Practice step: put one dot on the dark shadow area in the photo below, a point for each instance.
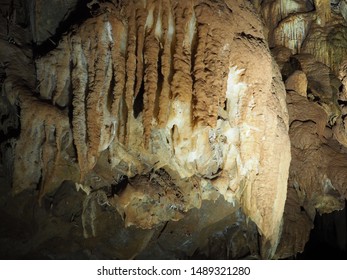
(328, 238)
(75, 18)
(138, 103)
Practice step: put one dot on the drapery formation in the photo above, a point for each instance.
(182, 100)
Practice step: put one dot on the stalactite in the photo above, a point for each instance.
(150, 78)
(275, 11)
(292, 31)
(140, 21)
(166, 40)
(95, 98)
(79, 87)
(168, 87)
(53, 75)
(118, 73)
(51, 129)
(182, 80)
(124, 65)
(328, 45)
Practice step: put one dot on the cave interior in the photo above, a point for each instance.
(168, 129)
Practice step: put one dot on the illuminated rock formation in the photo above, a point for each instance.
(169, 129)
(163, 94)
(181, 103)
(304, 28)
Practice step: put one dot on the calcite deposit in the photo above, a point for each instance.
(184, 104)
(308, 45)
(178, 127)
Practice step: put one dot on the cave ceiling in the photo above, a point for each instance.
(170, 129)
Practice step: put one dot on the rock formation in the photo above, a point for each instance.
(308, 46)
(152, 115)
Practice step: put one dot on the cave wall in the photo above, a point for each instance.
(307, 41)
(149, 116)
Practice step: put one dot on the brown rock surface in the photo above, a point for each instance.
(187, 115)
(163, 128)
(306, 28)
(309, 38)
(316, 180)
(297, 82)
